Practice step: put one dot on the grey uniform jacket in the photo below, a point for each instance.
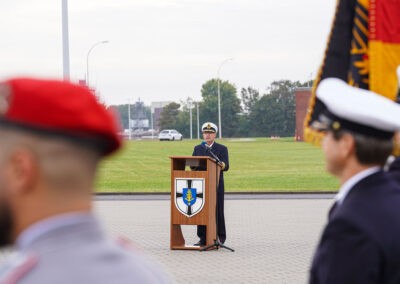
(78, 253)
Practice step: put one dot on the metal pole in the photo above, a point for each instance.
(152, 126)
(198, 122)
(65, 39)
(219, 110)
(87, 59)
(190, 118)
(219, 97)
(129, 118)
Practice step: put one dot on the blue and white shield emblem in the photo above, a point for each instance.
(189, 195)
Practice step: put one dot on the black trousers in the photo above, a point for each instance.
(201, 230)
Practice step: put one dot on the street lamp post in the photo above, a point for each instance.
(87, 59)
(190, 117)
(219, 97)
(129, 118)
(152, 123)
(198, 120)
(65, 39)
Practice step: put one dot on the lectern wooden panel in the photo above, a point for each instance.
(194, 181)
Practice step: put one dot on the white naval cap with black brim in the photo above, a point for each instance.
(356, 110)
(209, 127)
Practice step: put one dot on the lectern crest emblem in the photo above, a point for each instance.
(189, 195)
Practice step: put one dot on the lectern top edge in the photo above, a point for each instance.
(191, 157)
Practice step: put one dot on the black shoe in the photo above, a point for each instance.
(200, 243)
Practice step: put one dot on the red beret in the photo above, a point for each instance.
(59, 107)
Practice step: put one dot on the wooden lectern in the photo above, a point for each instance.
(193, 197)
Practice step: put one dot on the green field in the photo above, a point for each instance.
(256, 165)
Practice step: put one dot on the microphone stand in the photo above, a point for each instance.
(217, 244)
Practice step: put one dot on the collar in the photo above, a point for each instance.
(212, 144)
(38, 229)
(349, 184)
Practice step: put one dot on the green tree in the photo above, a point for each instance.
(308, 83)
(169, 116)
(183, 120)
(250, 97)
(230, 106)
(274, 114)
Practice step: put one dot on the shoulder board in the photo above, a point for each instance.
(126, 243)
(16, 267)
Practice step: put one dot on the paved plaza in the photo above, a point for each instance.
(274, 237)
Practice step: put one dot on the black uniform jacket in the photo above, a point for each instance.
(361, 242)
(394, 170)
(221, 152)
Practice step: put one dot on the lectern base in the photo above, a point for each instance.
(216, 245)
(184, 247)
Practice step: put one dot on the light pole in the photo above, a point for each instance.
(129, 118)
(152, 122)
(198, 121)
(219, 97)
(190, 117)
(87, 59)
(65, 39)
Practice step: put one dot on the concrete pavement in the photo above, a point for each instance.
(274, 238)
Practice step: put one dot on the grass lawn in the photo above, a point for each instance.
(256, 165)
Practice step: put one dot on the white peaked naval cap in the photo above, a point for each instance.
(357, 110)
(209, 127)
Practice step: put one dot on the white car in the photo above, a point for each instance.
(169, 134)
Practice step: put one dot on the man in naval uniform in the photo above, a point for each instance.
(52, 136)
(208, 148)
(360, 243)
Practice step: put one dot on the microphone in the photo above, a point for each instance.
(205, 145)
(208, 150)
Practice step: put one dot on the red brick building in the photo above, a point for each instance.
(302, 96)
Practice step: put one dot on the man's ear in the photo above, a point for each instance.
(22, 170)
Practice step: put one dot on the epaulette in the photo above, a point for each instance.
(126, 244)
(18, 266)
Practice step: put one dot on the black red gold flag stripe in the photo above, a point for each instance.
(363, 49)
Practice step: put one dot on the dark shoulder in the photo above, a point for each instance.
(376, 186)
(395, 165)
(220, 146)
(198, 147)
(376, 196)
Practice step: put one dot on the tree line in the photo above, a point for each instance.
(248, 114)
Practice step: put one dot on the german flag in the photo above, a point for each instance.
(363, 49)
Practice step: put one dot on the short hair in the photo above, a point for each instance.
(64, 164)
(369, 150)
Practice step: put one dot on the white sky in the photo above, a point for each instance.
(162, 50)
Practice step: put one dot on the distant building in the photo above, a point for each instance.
(156, 109)
(139, 121)
(302, 96)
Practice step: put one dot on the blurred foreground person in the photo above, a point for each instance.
(52, 136)
(361, 242)
(393, 163)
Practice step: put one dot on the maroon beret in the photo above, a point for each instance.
(59, 108)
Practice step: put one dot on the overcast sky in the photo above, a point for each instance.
(162, 50)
